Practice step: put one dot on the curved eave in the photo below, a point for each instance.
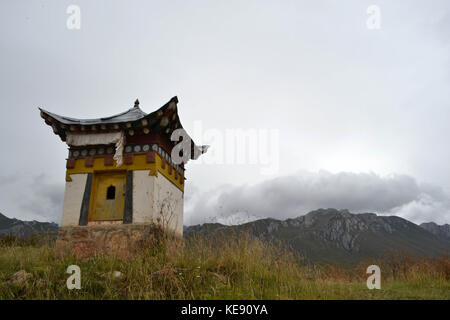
(164, 120)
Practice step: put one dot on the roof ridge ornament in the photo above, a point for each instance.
(136, 103)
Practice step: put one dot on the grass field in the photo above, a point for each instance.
(235, 268)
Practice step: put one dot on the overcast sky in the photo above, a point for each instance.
(361, 114)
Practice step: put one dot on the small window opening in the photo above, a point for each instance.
(111, 193)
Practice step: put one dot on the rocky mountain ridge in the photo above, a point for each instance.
(19, 228)
(338, 235)
(442, 231)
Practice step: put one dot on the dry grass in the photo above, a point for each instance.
(222, 268)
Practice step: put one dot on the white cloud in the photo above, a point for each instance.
(31, 197)
(291, 196)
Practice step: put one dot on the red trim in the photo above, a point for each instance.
(151, 157)
(109, 160)
(89, 161)
(70, 164)
(128, 158)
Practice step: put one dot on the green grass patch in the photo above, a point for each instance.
(225, 268)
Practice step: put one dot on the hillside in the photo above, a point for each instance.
(330, 235)
(21, 228)
(236, 266)
(324, 235)
(228, 268)
(442, 231)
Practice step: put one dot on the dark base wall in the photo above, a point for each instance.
(121, 240)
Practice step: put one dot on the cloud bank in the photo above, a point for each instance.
(31, 197)
(38, 198)
(294, 195)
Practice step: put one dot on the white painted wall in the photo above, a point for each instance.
(73, 198)
(143, 186)
(168, 204)
(157, 200)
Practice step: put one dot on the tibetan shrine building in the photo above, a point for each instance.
(121, 180)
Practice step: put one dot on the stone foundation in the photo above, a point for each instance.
(121, 240)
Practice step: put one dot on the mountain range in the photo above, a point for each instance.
(19, 228)
(331, 235)
(324, 235)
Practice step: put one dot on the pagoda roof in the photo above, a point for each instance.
(164, 120)
(132, 114)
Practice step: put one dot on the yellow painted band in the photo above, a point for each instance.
(139, 163)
